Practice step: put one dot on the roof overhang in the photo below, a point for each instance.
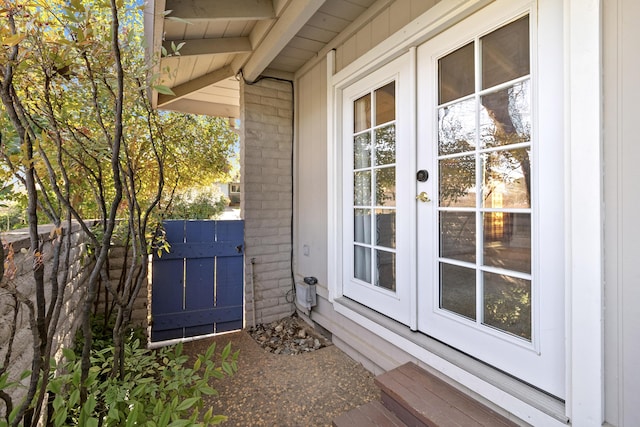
(202, 48)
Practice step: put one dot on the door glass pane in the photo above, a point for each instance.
(385, 186)
(456, 74)
(386, 103)
(362, 226)
(362, 263)
(386, 145)
(507, 179)
(458, 236)
(507, 240)
(457, 181)
(386, 270)
(505, 53)
(507, 304)
(457, 127)
(386, 228)
(362, 151)
(362, 188)
(505, 116)
(362, 113)
(374, 187)
(458, 290)
(477, 133)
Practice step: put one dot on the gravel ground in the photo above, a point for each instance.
(306, 389)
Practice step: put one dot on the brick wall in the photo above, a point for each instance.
(266, 188)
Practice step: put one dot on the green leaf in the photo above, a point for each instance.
(163, 421)
(187, 403)
(179, 423)
(69, 355)
(165, 90)
(226, 351)
(217, 419)
(209, 354)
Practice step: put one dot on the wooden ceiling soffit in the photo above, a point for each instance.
(206, 108)
(210, 46)
(209, 10)
(194, 85)
(294, 17)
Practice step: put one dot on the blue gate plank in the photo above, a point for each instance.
(166, 296)
(230, 275)
(200, 273)
(229, 290)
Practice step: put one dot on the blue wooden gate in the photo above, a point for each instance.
(197, 288)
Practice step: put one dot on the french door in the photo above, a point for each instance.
(453, 205)
(485, 284)
(377, 156)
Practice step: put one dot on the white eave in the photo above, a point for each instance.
(226, 40)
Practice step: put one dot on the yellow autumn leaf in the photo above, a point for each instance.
(13, 39)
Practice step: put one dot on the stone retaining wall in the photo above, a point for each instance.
(74, 296)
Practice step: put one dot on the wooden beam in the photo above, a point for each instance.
(208, 10)
(294, 17)
(153, 28)
(196, 84)
(210, 46)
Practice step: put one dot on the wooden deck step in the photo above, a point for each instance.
(419, 398)
(372, 414)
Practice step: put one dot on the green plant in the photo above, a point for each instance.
(158, 388)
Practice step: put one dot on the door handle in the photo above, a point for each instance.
(423, 197)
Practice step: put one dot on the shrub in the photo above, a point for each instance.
(198, 205)
(157, 388)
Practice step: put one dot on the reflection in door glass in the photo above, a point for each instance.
(507, 304)
(457, 176)
(362, 151)
(362, 226)
(505, 53)
(362, 263)
(484, 180)
(507, 179)
(507, 241)
(386, 103)
(385, 148)
(458, 235)
(458, 290)
(362, 114)
(456, 71)
(505, 116)
(457, 127)
(386, 270)
(385, 186)
(386, 228)
(362, 188)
